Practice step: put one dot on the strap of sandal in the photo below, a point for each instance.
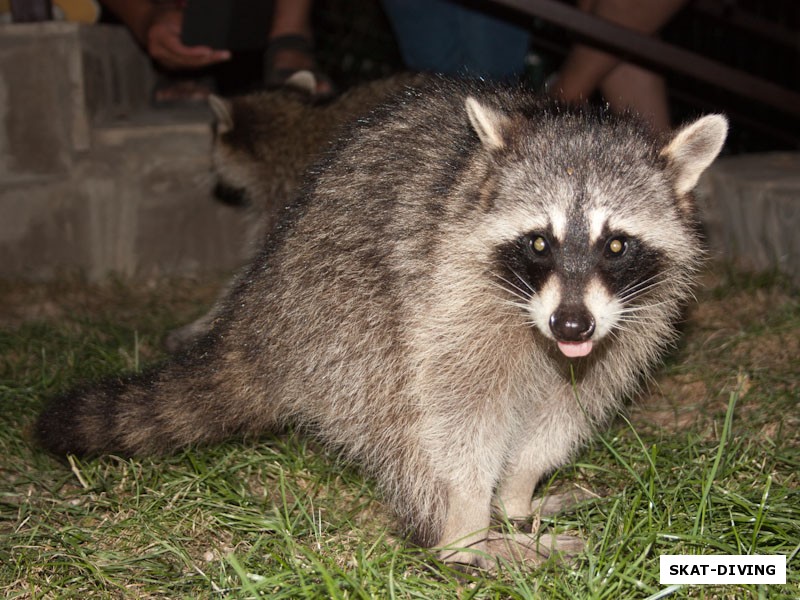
(291, 41)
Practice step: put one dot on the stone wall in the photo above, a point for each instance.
(91, 178)
(751, 210)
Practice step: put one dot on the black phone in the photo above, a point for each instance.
(226, 24)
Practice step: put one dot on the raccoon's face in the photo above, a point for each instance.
(232, 169)
(579, 285)
(248, 133)
(604, 237)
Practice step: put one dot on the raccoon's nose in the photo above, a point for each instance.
(572, 324)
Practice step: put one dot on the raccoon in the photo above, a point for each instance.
(265, 141)
(473, 281)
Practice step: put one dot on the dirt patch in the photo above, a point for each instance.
(25, 302)
(738, 339)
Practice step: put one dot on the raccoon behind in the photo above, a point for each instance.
(265, 141)
(473, 281)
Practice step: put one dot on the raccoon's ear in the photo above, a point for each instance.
(223, 112)
(488, 123)
(693, 148)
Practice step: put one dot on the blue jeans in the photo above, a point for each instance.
(446, 37)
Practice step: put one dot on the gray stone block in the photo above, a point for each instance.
(42, 230)
(751, 208)
(57, 81)
(137, 205)
(91, 179)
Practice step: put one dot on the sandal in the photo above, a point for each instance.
(299, 51)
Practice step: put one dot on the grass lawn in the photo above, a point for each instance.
(706, 461)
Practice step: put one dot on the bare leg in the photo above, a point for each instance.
(293, 17)
(630, 87)
(624, 85)
(584, 68)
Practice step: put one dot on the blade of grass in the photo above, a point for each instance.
(712, 474)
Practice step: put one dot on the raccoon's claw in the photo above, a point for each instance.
(564, 547)
(467, 562)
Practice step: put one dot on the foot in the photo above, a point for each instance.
(533, 549)
(553, 504)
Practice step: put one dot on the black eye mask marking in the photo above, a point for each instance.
(526, 263)
(627, 263)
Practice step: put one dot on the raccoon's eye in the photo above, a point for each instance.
(616, 246)
(539, 245)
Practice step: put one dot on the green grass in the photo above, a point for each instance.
(707, 462)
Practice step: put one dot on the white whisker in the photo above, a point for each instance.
(514, 289)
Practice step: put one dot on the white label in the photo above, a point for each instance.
(715, 569)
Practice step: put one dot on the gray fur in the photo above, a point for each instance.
(265, 141)
(384, 316)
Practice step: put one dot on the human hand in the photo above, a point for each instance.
(162, 40)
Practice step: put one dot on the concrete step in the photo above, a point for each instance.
(138, 204)
(751, 210)
(91, 178)
(57, 81)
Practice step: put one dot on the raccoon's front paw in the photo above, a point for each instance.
(467, 561)
(562, 546)
(533, 549)
(543, 507)
(555, 503)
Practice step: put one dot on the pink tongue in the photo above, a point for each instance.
(575, 349)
